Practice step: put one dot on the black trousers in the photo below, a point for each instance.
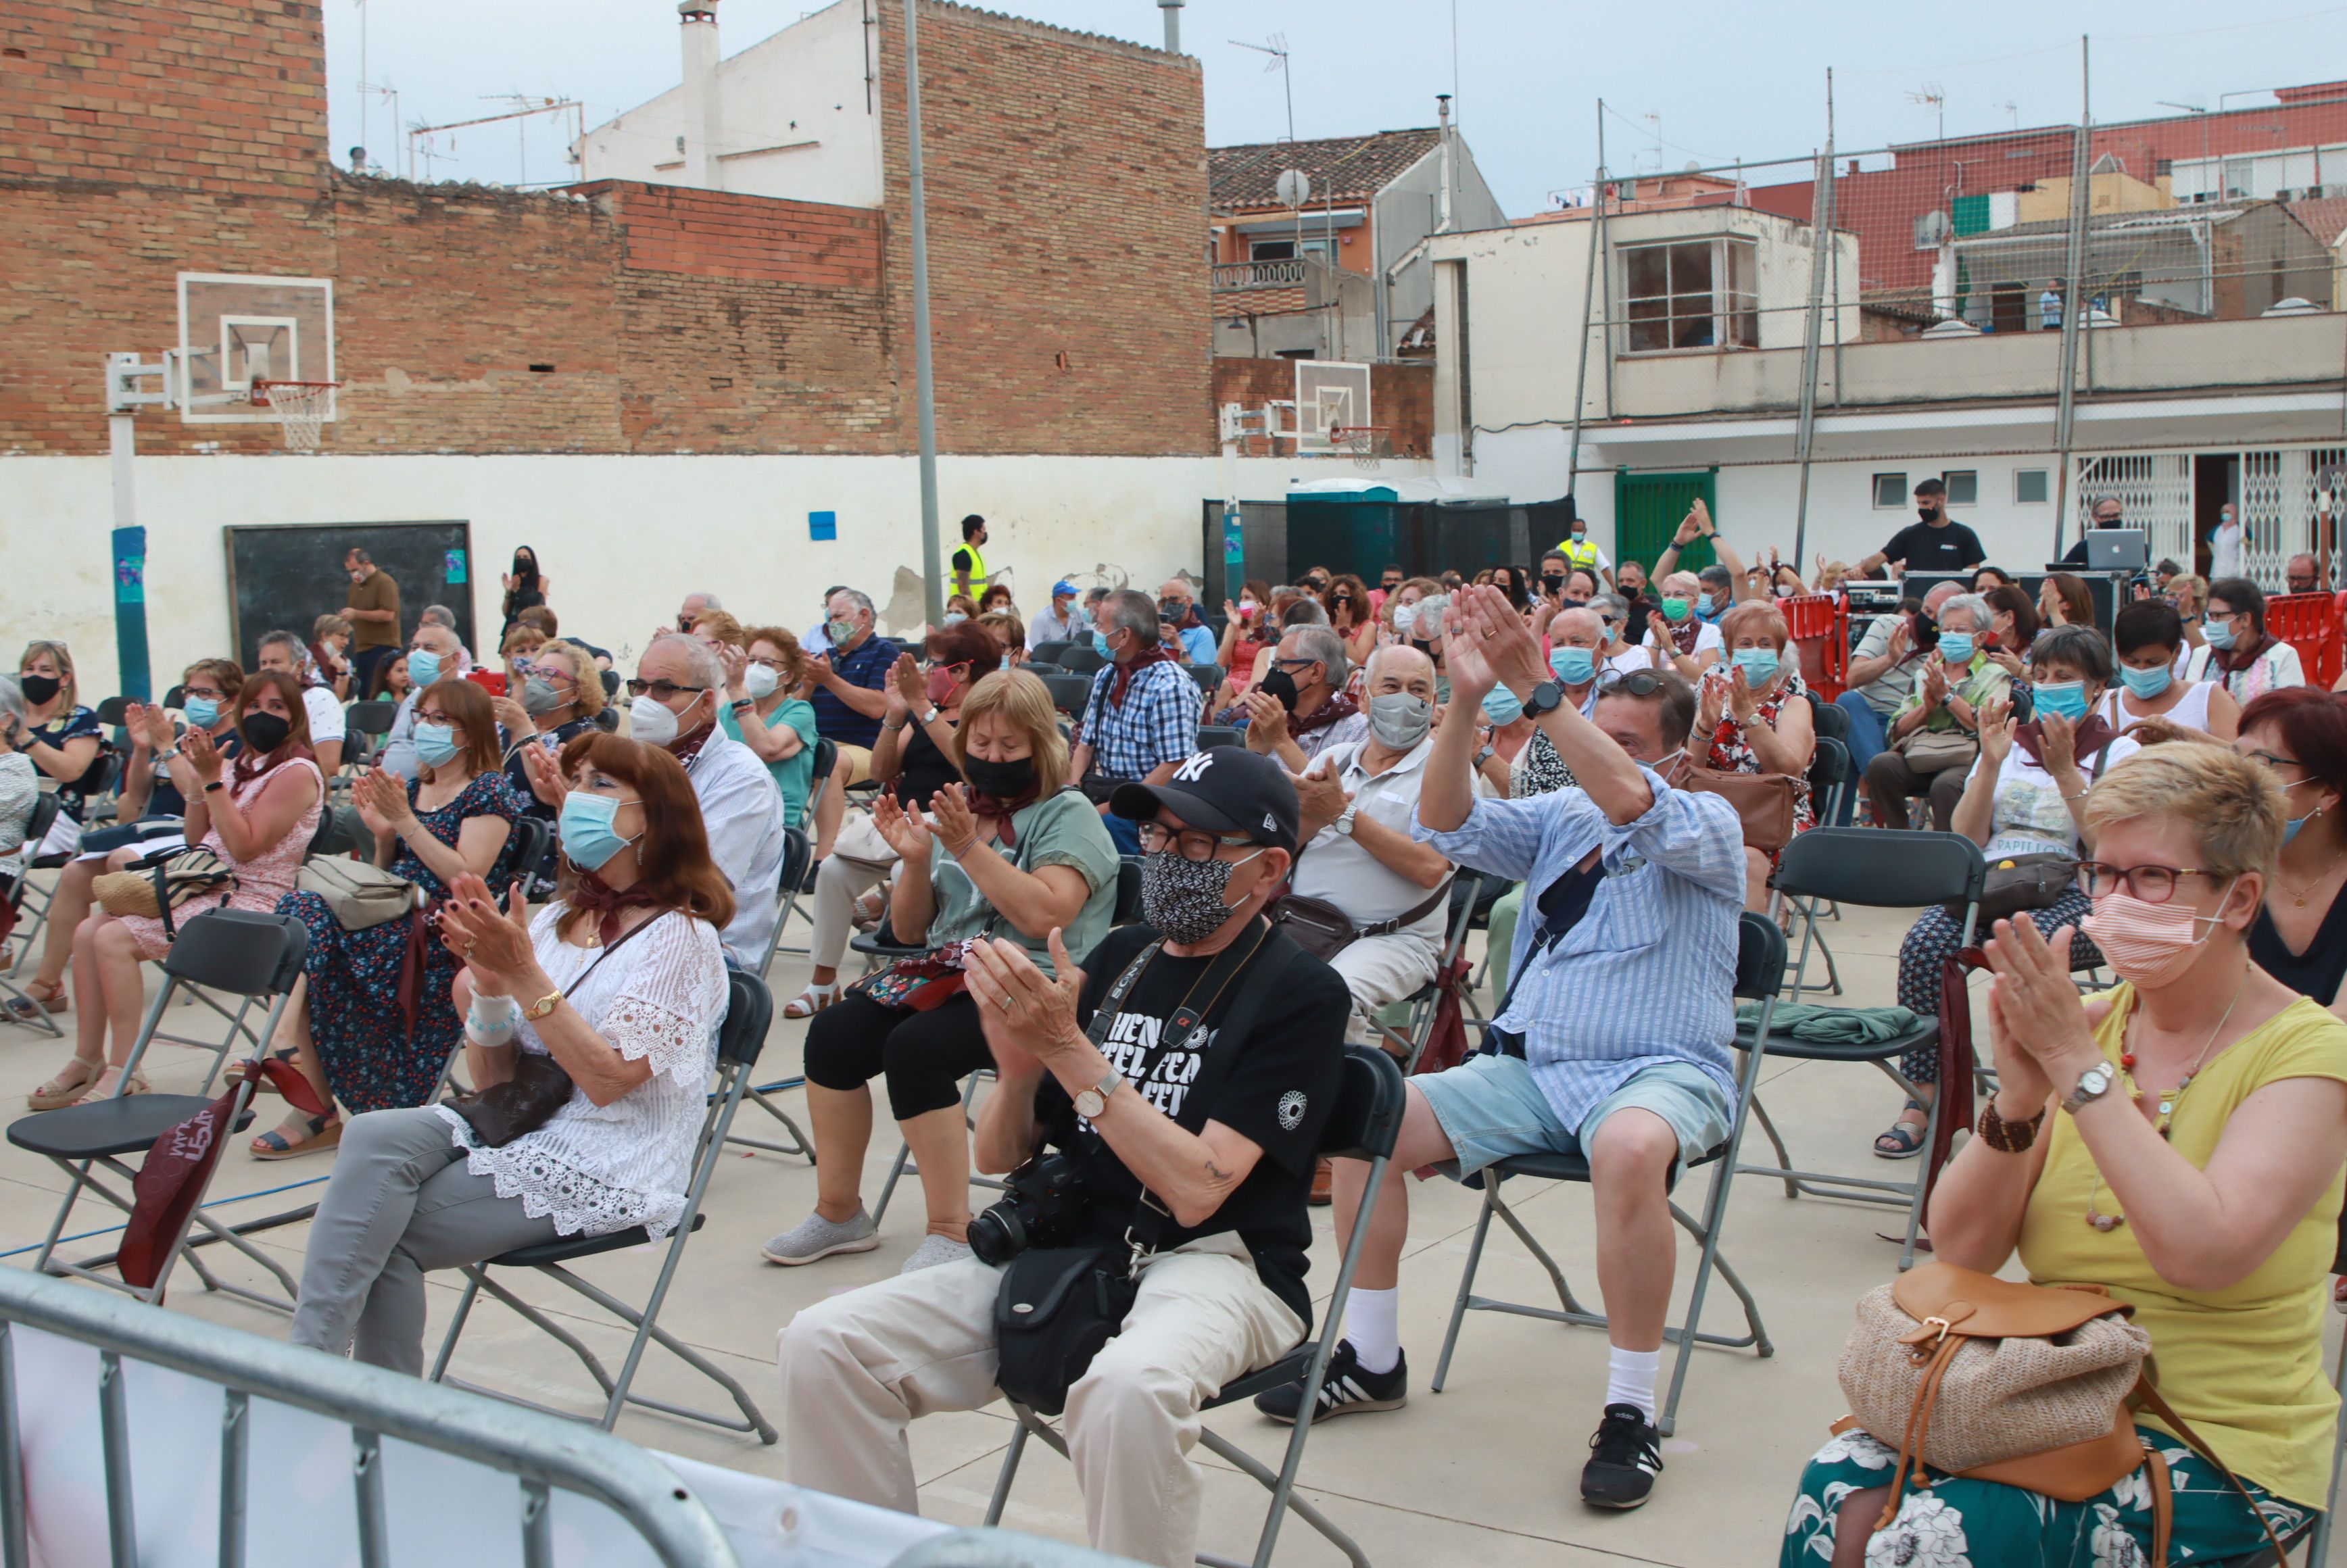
(925, 1055)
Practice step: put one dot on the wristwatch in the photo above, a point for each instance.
(2092, 1084)
(1546, 697)
(931, 716)
(1343, 823)
(1093, 1100)
(542, 1006)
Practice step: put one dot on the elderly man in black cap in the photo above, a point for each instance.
(1184, 1082)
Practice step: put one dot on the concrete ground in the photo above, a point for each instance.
(1484, 1473)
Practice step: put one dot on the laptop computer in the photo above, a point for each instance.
(2117, 549)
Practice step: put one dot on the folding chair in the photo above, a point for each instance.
(1363, 1126)
(32, 1014)
(1047, 652)
(1085, 661)
(1829, 776)
(236, 950)
(797, 856)
(532, 844)
(750, 1010)
(1209, 678)
(45, 807)
(1760, 972)
(1213, 735)
(1069, 692)
(1409, 1038)
(1875, 869)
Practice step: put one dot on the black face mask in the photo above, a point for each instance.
(40, 688)
(1003, 781)
(1280, 685)
(1927, 512)
(1553, 580)
(264, 732)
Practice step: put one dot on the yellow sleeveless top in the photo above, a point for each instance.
(2243, 1365)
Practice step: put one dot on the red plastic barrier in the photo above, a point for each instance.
(2310, 624)
(1820, 625)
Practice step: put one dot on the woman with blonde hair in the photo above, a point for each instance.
(554, 694)
(1016, 854)
(63, 738)
(761, 684)
(2176, 1142)
(329, 652)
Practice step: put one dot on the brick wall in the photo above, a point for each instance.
(1401, 396)
(1066, 181)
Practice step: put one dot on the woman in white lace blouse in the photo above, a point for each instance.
(623, 983)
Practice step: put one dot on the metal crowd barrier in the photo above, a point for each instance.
(542, 1452)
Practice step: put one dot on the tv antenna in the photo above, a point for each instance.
(1933, 97)
(1276, 48)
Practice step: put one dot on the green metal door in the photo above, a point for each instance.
(1647, 510)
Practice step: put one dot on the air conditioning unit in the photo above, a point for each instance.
(1932, 229)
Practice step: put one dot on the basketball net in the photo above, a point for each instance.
(300, 407)
(1360, 440)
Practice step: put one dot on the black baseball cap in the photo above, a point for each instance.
(1227, 789)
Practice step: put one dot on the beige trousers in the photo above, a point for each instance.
(838, 882)
(858, 1368)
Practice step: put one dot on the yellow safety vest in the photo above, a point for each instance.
(1578, 553)
(977, 570)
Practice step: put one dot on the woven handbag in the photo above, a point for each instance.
(165, 883)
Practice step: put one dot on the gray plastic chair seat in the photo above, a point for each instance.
(126, 1124)
(1781, 1044)
(566, 1248)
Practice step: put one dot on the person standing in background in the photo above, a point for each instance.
(2225, 542)
(2049, 307)
(965, 573)
(525, 589)
(372, 610)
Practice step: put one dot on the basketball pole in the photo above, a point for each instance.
(933, 595)
(127, 569)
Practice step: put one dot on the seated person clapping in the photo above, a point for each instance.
(621, 982)
(2176, 1142)
(1016, 854)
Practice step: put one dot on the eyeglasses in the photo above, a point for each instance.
(2152, 884)
(660, 690)
(1629, 682)
(1295, 663)
(776, 665)
(1195, 843)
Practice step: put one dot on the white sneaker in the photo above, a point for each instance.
(932, 1250)
(815, 1236)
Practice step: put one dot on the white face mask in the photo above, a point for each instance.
(649, 721)
(760, 681)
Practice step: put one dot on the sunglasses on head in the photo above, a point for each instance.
(1629, 682)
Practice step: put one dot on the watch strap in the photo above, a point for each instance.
(2080, 1095)
(1546, 697)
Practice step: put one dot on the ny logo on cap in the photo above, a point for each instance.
(1194, 767)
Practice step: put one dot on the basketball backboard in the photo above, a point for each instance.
(1329, 394)
(236, 328)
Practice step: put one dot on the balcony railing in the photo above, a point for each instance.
(1258, 275)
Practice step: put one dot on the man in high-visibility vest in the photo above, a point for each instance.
(1577, 549)
(965, 573)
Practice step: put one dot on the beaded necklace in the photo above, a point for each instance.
(2169, 1100)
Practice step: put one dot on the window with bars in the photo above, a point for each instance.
(1692, 293)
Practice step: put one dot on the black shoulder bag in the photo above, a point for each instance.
(1058, 1306)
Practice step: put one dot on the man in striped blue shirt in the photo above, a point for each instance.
(1614, 1042)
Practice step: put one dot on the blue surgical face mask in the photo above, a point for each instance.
(1573, 666)
(1758, 664)
(1703, 604)
(2067, 697)
(585, 829)
(423, 667)
(2220, 634)
(435, 745)
(1956, 647)
(2147, 684)
(1502, 706)
(204, 712)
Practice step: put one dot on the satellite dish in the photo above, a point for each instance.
(1293, 188)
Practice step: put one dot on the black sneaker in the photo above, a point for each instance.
(1344, 1391)
(1623, 1459)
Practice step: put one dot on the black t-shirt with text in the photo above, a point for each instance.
(1277, 1093)
(1950, 547)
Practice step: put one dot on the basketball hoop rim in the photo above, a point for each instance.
(263, 390)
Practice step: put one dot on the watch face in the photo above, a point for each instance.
(1090, 1104)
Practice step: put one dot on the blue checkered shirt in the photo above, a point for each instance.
(1156, 723)
(1648, 975)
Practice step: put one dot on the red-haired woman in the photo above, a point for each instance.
(257, 813)
(623, 982)
(2299, 937)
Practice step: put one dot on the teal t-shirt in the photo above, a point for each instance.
(795, 774)
(1062, 829)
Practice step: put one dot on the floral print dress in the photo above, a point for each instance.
(1731, 751)
(372, 1061)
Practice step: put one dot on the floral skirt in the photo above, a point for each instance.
(1960, 1523)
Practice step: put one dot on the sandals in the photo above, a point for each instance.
(869, 908)
(67, 1088)
(269, 1085)
(39, 996)
(812, 1000)
(1904, 1139)
(325, 1132)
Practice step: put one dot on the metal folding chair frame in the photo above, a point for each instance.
(1413, 1037)
(618, 1392)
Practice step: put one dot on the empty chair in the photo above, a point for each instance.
(1069, 692)
(1209, 678)
(1213, 735)
(1082, 661)
(1047, 652)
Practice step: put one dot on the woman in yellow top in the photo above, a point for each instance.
(2177, 1141)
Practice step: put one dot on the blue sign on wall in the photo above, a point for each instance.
(822, 525)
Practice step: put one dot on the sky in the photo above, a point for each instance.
(1713, 83)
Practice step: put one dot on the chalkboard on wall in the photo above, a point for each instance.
(283, 577)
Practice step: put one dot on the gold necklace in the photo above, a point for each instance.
(2298, 894)
(2169, 1101)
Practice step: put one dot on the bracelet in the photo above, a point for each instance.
(216, 783)
(742, 703)
(2007, 1137)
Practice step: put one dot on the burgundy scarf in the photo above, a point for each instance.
(601, 900)
(2091, 734)
(2233, 661)
(1335, 708)
(998, 811)
(1161, 654)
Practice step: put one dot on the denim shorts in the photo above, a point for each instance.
(1490, 1107)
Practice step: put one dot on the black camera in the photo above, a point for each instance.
(1047, 1200)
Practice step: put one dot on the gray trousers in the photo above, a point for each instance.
(401, 1203)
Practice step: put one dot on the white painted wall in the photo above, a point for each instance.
(623, 539)
(805, 85)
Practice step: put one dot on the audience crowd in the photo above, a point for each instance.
(1158, 871)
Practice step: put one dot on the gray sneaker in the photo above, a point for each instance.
(932, 1250)
(816, 1236)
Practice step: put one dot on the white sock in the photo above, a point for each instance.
(1373, 1323)
(1629, 1377)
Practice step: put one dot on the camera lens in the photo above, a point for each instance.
(996, 1236)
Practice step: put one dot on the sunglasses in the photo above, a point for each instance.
(1630, 682)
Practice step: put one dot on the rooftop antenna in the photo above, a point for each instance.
(1933, 97)
(1276, 48)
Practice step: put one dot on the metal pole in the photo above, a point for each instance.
(933, 593)
(1820, 237)
(1588, 298)
(1605, 277)
(127, 565)
(2073, 263)
(1172, 11)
